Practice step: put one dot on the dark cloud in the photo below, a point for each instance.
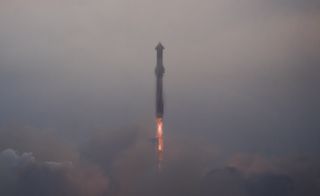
(22, 174)
(103, 147)
(230, 181)
(287, 177)
(45, 144)
(128, 167)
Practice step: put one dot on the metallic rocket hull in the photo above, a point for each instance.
(159, 98)
(159, 71)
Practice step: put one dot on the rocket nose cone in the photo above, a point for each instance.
(159, 46)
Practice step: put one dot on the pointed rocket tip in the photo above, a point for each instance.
(159, 46)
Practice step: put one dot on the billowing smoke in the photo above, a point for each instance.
(23, 174)
(122, 163)
(77, 97)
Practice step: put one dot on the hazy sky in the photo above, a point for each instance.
(242, 76)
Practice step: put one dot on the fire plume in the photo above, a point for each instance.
(159, 137)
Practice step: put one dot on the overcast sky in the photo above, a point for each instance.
(242, 76)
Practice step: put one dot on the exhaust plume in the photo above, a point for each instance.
(159, 71)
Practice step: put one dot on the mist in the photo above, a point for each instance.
(241, 97)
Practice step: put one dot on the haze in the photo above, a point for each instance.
(241, 90)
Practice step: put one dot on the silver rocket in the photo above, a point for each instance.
(159, 71)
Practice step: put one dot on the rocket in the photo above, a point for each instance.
(159, 71)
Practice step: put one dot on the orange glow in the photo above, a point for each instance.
(159, 136)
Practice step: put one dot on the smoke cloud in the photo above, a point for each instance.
(123, 163)
(241, 93)
(22, 174)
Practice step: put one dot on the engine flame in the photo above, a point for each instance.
(159, 137)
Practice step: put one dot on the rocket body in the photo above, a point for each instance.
(159, 71)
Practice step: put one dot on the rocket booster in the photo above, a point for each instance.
(159, 71)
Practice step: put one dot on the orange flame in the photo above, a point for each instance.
(160, 146)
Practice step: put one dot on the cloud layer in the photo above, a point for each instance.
(22, 174)
(241, 94)
(129, 168)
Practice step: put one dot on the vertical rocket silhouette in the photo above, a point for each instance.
(159, 71)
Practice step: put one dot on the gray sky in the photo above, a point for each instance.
(241, 75)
